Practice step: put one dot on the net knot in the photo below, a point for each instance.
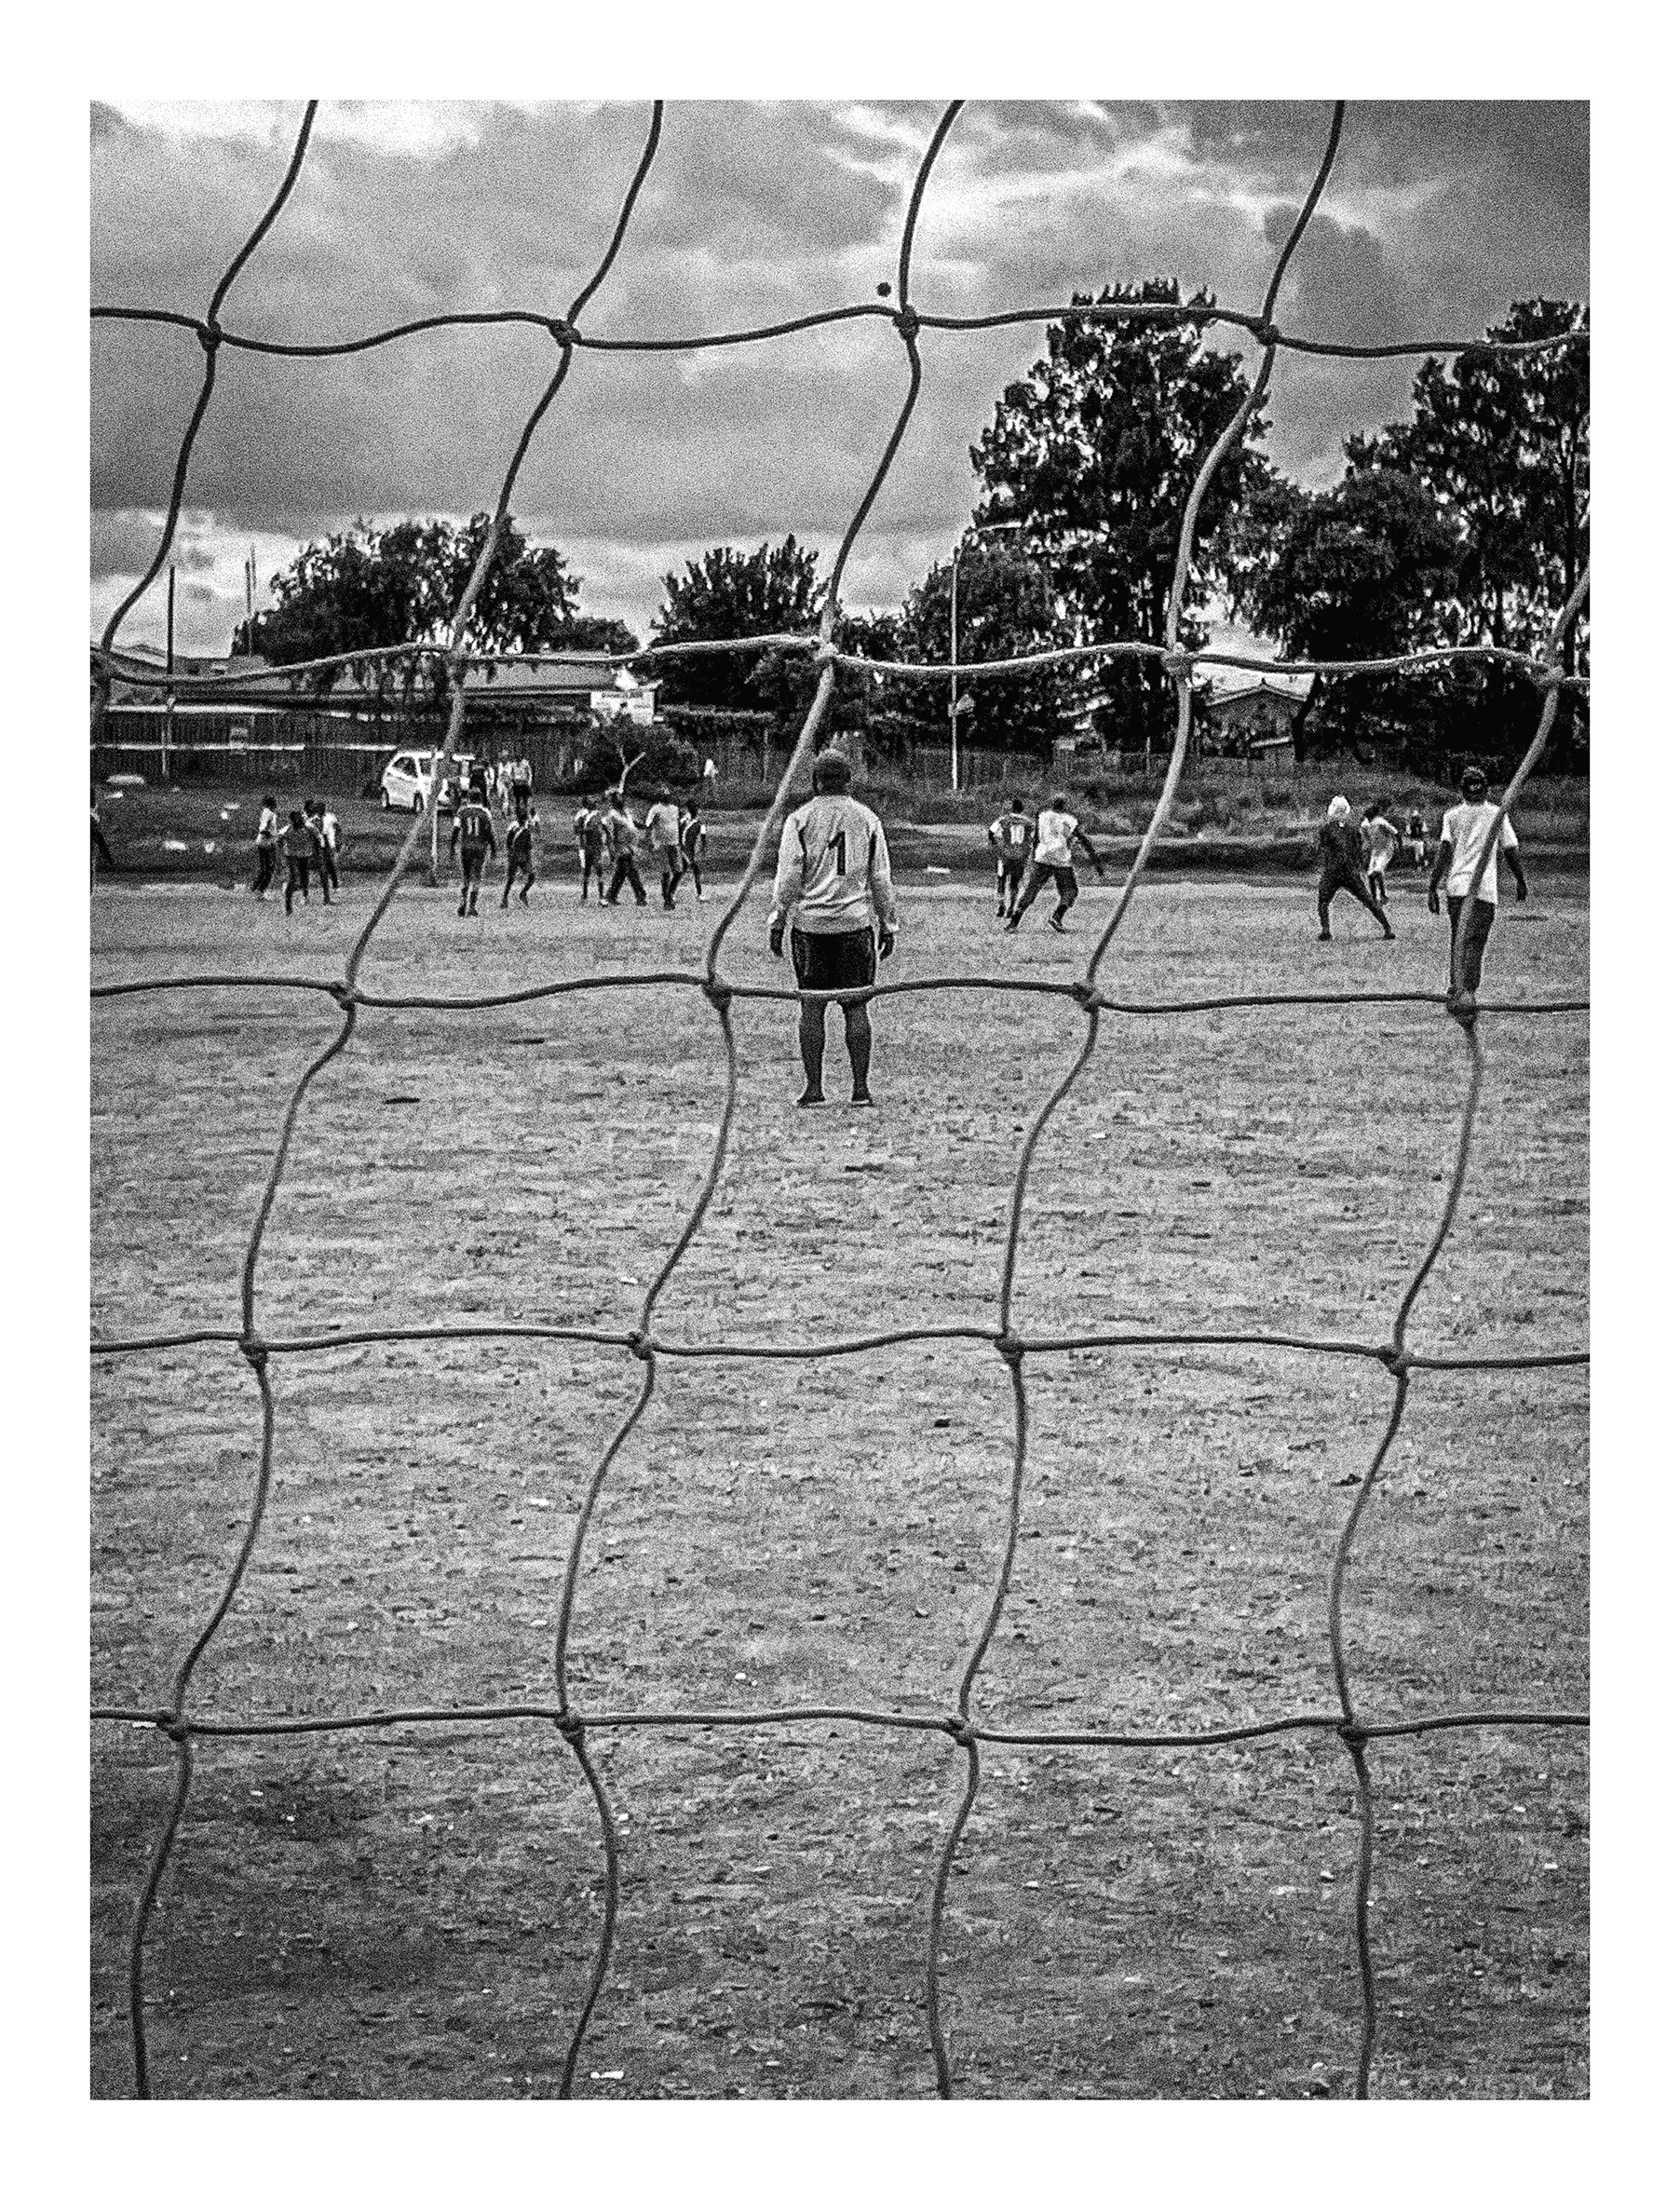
(171, 1724)
(1086, 994)
(1354, 1734)
(564, 334)
(1269, 334)
(1395, 1358)
(960, 1732)
(343, 993)
(716, 992)
(826, 653)
(210, 338)
(571, 1727)
(638, 1345)
(255, 1350)
(1177, 665)
(908, 322)
(1545, 677)
(1009, 1349)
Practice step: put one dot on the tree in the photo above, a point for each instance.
(1007, 605)
(1501, 441)
(1365, 569)
(368, 590)
(727, 595)
(1095, 453)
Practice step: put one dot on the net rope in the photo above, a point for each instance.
(644, 1343)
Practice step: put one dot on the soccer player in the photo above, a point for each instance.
(1342, 865)
(298, 842)
(1379, 841)
(621, 834)
(692, 836)
(99, 845)
(1464, 833)
(1011, 839)
(475, 829)
(665, 835)
(834, 881)
(1056, 835)
(314, 817)
(268, 843)
(1415, 838)
(521, 847)
(589, 829)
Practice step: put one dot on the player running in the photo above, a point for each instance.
(1011, 839)
(692, 840)
(522, 847)
(1379, 842)
(1464, 835)
(665, 835)
(1342, 860)
(622, 835)
(475, 830)
(834, 881)
(1416, 839)
(1057, 835)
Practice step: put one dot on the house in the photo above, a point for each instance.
(1260, 714)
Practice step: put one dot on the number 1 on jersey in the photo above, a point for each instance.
(837, 848)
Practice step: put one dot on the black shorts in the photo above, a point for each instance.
(830, 962)
(472, 864)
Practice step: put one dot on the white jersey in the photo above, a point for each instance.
(1465, 831)
(662, 828)
(1055, 847)
(833, 871)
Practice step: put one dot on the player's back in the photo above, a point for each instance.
(832, 847)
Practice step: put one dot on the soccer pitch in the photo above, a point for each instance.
(415, 1910)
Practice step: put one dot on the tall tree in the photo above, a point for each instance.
(1502, 442)
(1367, 569)
(1095, 453)
(372, 589)
(727, 595)
(1008, 604)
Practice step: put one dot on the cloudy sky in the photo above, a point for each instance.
(1438, 216)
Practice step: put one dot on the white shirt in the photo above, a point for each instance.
(269, 827)
(1055, 842)
(662, 824)
(1465, 830)
(832, 870)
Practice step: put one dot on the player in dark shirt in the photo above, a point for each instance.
(521, 847)
(1011, 839)
(298, 844)
(1342, 861)
(475, 830)
(692, 840)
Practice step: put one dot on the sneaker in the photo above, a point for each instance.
(862, 1100)
(1323, 935)
(810, 1100)
(1056, 925)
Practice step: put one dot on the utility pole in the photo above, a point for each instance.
(169, 670)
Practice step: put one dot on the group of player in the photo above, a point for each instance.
(608, 840)
(1354, 858)
(309, 841)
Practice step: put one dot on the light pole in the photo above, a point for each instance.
(968, 535)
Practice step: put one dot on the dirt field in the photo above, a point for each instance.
(415, 1912)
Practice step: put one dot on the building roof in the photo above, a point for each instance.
(1222, 699)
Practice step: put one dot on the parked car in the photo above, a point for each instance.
(404, 782)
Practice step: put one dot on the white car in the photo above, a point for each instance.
(407, 777)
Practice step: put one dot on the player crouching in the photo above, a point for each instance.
(834, 881)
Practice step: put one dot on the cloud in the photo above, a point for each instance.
(1438, 216)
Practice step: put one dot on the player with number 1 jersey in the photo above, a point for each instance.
(833, 880)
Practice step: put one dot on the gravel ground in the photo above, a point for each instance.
(414, 1911)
